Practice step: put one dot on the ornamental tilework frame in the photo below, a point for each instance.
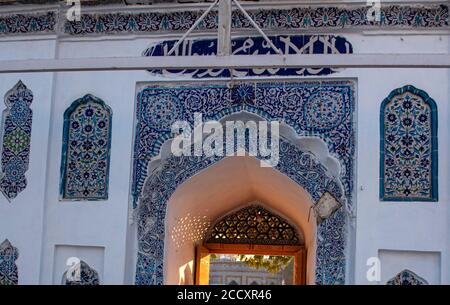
(8, 269)
(86, 150)
(16, 140)
(409, 146)
(312, 108)
(407, 277)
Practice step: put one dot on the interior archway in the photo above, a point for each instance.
(229, 184)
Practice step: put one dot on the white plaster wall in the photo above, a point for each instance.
(21, 221)
(64, 255)
(36, 220)
(425, 264)
(412, 226)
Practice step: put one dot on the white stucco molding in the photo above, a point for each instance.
(228, 62)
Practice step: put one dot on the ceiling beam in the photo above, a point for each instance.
(228, 62)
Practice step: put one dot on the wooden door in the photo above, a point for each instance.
(203, 253)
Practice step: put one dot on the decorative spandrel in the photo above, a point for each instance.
(86, 151)
(254, 225)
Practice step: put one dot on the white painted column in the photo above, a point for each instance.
(224, 28)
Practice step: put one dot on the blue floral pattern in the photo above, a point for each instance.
(28, 23)
(299, 17)
(8, 269)
(16, 140)
(87, 142)
(287, 101)
(409, 146)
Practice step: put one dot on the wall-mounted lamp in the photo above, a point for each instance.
(326, 206)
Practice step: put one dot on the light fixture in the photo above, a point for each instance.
(326, 206)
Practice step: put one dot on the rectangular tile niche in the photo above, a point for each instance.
(425, 264)
(93, 256)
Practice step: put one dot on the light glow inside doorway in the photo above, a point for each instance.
(251, 269)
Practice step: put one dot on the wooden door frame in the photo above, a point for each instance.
(203, 251)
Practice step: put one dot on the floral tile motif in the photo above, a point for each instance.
(17, 121)
(28, 23)
(301, 17)
(280, 100)
(81, 275)
(408, 146)
(8, 268)
(243, 93)
(407, 277)
(86, 151)
(289, 45)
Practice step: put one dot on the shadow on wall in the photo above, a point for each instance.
(189, 229)
(186, 273)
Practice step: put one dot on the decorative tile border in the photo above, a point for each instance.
(332, 17)
(329, 17)
(28, 23)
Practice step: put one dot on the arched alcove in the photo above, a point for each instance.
(227, 185)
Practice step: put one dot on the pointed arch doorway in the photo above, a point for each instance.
(255, 244)
(230, 185)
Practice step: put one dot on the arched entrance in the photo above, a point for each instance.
(307, 108)
(156, 255)
(228, 185)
